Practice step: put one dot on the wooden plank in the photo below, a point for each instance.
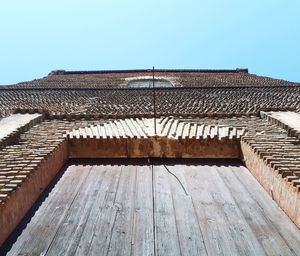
(245, 239)
(212, 220)
(189, 233)
(37, 237)
(121, 234)
(143, 233)
(166, 237)
(96, 235)
(76, 218)
(273, 227)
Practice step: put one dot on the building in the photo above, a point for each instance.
(101, 162)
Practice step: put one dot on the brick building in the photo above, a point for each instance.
(100, 162)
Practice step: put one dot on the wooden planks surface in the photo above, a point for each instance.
(161, 207)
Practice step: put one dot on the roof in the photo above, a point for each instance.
(106, 94)
(179, 77)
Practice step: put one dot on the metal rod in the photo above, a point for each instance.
(154, 103)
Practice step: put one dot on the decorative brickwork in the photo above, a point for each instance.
(180, 78)
(23, 158)
(12, 127)
(166, 127)
(139, 102)
(173, 138)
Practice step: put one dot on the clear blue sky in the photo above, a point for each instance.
(40, 36)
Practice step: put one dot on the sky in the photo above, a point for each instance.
(39, 36)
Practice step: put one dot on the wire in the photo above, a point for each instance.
(176, 179)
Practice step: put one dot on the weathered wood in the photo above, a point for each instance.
(142, 231)
(40, 231)
(77, 216)
(245, 239)
(189, 233)
(166, 237)
(272, 227)
(96, 236)
(212, 220)
(121, 234)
